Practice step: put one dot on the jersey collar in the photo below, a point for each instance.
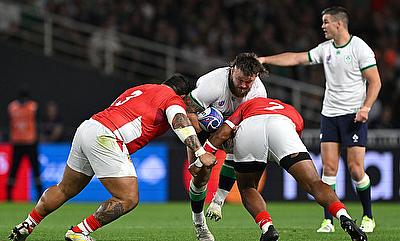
(339, 47)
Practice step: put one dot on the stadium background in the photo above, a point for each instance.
(151, 39)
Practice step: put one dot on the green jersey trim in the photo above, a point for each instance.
(339, 47)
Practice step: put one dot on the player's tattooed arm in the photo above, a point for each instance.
(179, 122)
(223, 134)
(192, 108)
(109, 211)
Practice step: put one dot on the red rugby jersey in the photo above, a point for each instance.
(267, 106)
(138, 116)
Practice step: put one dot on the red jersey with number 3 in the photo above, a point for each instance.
(266, 106)
(138, 115)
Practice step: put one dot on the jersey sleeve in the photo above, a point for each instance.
(315, 55)
(207, 91)
(236, 117)
(366, 57)
(175, 100)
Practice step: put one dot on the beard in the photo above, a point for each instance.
(237, 92)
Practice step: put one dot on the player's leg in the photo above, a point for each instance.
(301, 167)
(254, 202)
(18, 152)
(124, 192)
(197, 195)
(330, 154)
(77, 175)
(227, 178)
(33, 157)
(354, 137)
(110, 161)
(71, 184)
(251, 152)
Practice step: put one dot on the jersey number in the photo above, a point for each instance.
(134, 94)
(274, 106)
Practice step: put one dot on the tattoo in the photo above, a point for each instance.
(109, 211)
(192, 106)
(180, 121)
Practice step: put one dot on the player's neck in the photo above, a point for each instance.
(342, 39)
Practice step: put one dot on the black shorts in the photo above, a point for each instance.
(344, 130)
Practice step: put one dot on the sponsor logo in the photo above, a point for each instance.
(328, 59)
(355, 138)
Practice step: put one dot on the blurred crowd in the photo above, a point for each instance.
(226, 27)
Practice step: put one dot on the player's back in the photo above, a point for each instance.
(262, 106)
(138, 115)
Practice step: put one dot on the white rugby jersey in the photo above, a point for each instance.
(345, 88)
(212, 89)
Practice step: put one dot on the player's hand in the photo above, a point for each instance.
(262, 60)
(206, 160)
(362, 114)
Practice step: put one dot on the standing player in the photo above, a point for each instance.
(268, 129)
(223, 88)
(102, 146)
(348, 63)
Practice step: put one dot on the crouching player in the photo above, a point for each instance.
(268, 129)
(102, 146)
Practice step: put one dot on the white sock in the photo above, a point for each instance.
(30, 221)
(220, 196)
(342, 212)
(265, 227)
(198, 218)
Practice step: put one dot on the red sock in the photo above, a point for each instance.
(335, 207)
(263, 218)
(35, 217)
(88, 225)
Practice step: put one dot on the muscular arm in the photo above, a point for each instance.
(221, 135)
(374, 86)
(286, 59)
(181, 121)
(192, 108)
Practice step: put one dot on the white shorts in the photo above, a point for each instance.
(266, 137)
(95, 150)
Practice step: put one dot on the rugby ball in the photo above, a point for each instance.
(210, 119)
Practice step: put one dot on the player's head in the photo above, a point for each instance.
(180, 84)
(244, 70)
(334, 20)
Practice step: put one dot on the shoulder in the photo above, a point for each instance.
(359, 43)
(326, 44)
(217, 75)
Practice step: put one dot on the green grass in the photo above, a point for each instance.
(172, 221)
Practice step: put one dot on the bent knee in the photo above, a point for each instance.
(130, 202)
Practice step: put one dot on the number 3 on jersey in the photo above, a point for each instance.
(134, 94)
(274, 106)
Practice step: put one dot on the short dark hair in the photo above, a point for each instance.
(248, 64)
(180, 84)
(338, 12)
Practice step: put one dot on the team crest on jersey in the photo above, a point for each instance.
(347, 59)
(221, 103)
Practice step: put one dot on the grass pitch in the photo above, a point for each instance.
(172, 221)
